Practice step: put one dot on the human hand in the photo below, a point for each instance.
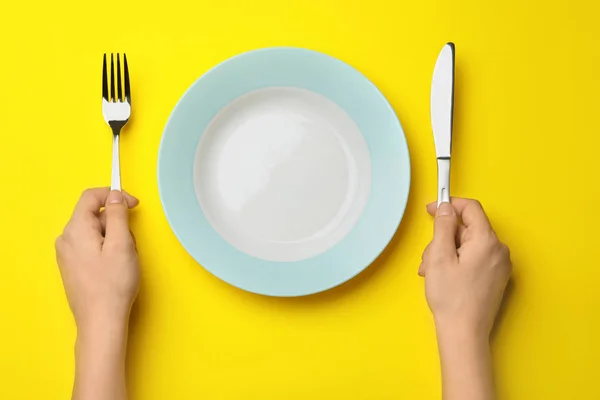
(98, 260)
(466, 268)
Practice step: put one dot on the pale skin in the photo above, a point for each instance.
(98, 263)
(466, 269)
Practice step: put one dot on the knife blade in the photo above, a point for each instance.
(442, 109)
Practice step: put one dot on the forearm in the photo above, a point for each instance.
(466, 365)
(100, 362)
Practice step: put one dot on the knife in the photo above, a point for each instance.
(442, 108)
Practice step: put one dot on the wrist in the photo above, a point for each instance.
(460, 339)
(465, 362)
(457, 329)
(103, 328)
(100, 352)
(106, 343)
(97, 315)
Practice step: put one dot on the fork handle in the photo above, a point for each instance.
(115, 180)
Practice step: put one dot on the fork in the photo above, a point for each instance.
(116, 110)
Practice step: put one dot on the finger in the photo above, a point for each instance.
(102, 218)
(461, 230)
(426, 252)
(432, 208)
(84, 222)
(132, 201)
(461, 235)
(443, 245)
(103, 223)
(59, 244)
(92, 200)
(422, 270)
(90, 203)
(472, 214)
(469, 210)
(133, 239)
(424, 257)
(117, 219)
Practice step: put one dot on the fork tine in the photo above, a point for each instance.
(126, 74)
(104, 80)
(112, 77)
(119, 91)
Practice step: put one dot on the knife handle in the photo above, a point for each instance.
(443, 180)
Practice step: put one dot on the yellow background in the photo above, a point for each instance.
(526, 143)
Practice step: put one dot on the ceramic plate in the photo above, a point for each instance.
(283, 171)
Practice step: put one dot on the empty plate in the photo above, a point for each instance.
(283, 171)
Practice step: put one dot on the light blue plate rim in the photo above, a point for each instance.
(323, 74)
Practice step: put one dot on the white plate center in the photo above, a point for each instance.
(282, 173)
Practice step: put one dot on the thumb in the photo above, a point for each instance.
(117, 218)
(444, 235)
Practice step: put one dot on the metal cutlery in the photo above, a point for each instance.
(116, 109)
(442, 109)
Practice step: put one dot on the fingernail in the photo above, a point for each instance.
(115, 196)
(445, 209)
